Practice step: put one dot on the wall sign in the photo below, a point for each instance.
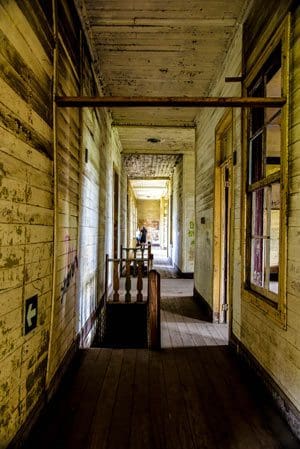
(31, 311)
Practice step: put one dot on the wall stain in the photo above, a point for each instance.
(4, 330)
(44, 343)
(36, 375)
(2, 172)
(11, 261)
(4, 416)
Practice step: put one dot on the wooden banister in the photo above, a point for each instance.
(154, 310)
(139, 282)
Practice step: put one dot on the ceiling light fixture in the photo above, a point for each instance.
(153, 140)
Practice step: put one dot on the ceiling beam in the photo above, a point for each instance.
(182, 102)
(152, 127)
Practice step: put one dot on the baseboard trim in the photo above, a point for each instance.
(205, 307)
(183, 274)
(285, 406)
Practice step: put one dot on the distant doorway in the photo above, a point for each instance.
(222, 221)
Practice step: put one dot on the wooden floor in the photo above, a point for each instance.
(193, 394)
(161, 263)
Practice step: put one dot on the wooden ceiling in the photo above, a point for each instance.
(159, 48)
(145, 166)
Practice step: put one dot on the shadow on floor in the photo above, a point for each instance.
(189, 398)
(185, 306)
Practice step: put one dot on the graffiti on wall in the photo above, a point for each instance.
(71, 267)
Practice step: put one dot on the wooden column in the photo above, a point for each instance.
(154, 310)
(128, 282)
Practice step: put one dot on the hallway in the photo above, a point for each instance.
(194, 393)
(179, 119)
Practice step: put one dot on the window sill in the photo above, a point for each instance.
(275, 312)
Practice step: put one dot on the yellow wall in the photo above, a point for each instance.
(276, 349)
(55, 206)
(148, 215)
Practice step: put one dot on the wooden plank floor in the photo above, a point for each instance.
(193, 394)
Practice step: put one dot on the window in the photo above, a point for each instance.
(266, 181)
(264, 153)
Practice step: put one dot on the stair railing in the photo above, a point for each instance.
(153, 294)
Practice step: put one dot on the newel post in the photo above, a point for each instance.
(154, 310)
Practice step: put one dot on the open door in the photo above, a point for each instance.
(225, 242)
(223, 221)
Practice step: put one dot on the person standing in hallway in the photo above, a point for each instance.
(143, 238)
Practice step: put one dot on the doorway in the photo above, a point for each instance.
(223, 221)
(225, 242)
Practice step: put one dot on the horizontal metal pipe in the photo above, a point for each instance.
(182, 102)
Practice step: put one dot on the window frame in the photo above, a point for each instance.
(273, 305)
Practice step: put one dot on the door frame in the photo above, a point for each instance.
(224, 124)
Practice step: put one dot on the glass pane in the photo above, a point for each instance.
(256, 114)
(226, 145)
(274, 251)
(273, 89)
(256, 159)
(257, 262)
(258, 231)
(265, 237)
(258, 213)
(273, 145)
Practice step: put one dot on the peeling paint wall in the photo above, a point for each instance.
(74, 204)
(183, 214)
(207, 122)
(26, 207)
(188, 211)
(131, 217)
(163, 229)
(276, 349)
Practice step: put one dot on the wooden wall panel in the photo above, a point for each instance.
(64, 328)
(207, 122)
(80, 204)
(89, 216)
(131, 217)
(276, 349)
(26, 207)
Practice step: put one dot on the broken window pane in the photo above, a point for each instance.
(273, 145)
(265, 237)
(256, 159)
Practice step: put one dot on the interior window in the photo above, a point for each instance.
(264, 163)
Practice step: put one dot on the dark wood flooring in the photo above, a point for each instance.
(193, 394)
